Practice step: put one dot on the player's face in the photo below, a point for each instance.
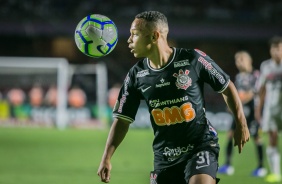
(243, 62)
(140, 41)
(276, 52)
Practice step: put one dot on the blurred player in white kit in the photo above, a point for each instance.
(270, 104)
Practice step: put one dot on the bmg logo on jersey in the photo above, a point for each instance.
(173, 115)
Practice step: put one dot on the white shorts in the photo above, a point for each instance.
(272, 119)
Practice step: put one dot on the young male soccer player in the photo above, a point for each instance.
(270, 93)
(245, 82)
(171, 81)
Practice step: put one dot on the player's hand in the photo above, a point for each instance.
(104, 171)
(241, 136)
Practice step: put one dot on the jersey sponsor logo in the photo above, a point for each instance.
(181, 63)
(125, 93)
(211, 69)
(156, 103)
(205, 63)
(200, 52)
(145, 89)
(122, 101)
(142, 73)
(183, 81)
(162, 84)
(173, 153)
(173, 115)
(126, 82)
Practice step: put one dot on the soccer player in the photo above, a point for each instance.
(171, 81)
(245, 82)
(270, 95)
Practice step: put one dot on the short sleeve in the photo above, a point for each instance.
(210, 72)
(128, 100)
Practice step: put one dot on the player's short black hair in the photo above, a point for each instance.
(152, 16)
(156, 18)
(275, 40)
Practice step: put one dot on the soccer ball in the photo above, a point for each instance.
(96, 35)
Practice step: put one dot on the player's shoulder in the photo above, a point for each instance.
(265, 63)
(138, 67)
(191, 52)
(266, 66)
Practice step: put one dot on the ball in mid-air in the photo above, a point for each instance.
(96, 35)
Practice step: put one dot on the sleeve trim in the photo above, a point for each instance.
(224, 87)
(119, 116)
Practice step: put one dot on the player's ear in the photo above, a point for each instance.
(155, 36)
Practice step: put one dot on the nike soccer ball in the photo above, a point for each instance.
(96, 35)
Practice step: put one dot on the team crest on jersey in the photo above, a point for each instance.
(183, 81)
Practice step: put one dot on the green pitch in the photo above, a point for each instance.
(44, 156)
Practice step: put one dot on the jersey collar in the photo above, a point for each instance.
(161, 69)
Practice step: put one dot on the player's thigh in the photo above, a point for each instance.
(171, 175)
(203, 165)
(202, 179)
(267, 123)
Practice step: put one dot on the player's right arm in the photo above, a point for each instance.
(116, 135)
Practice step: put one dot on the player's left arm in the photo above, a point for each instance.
(259, 103)
(241, 134)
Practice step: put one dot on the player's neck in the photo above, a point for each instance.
(247, 70)
(161, 57)
(277, 61)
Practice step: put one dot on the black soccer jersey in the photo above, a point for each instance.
(174, 95)
(246, 81)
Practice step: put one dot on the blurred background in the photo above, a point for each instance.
(45, 29)
(45, 81)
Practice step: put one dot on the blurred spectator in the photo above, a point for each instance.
(113, 95)
(16, 96)
(18, 109)
(51, 96)
(36, 96)
(76, 98)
